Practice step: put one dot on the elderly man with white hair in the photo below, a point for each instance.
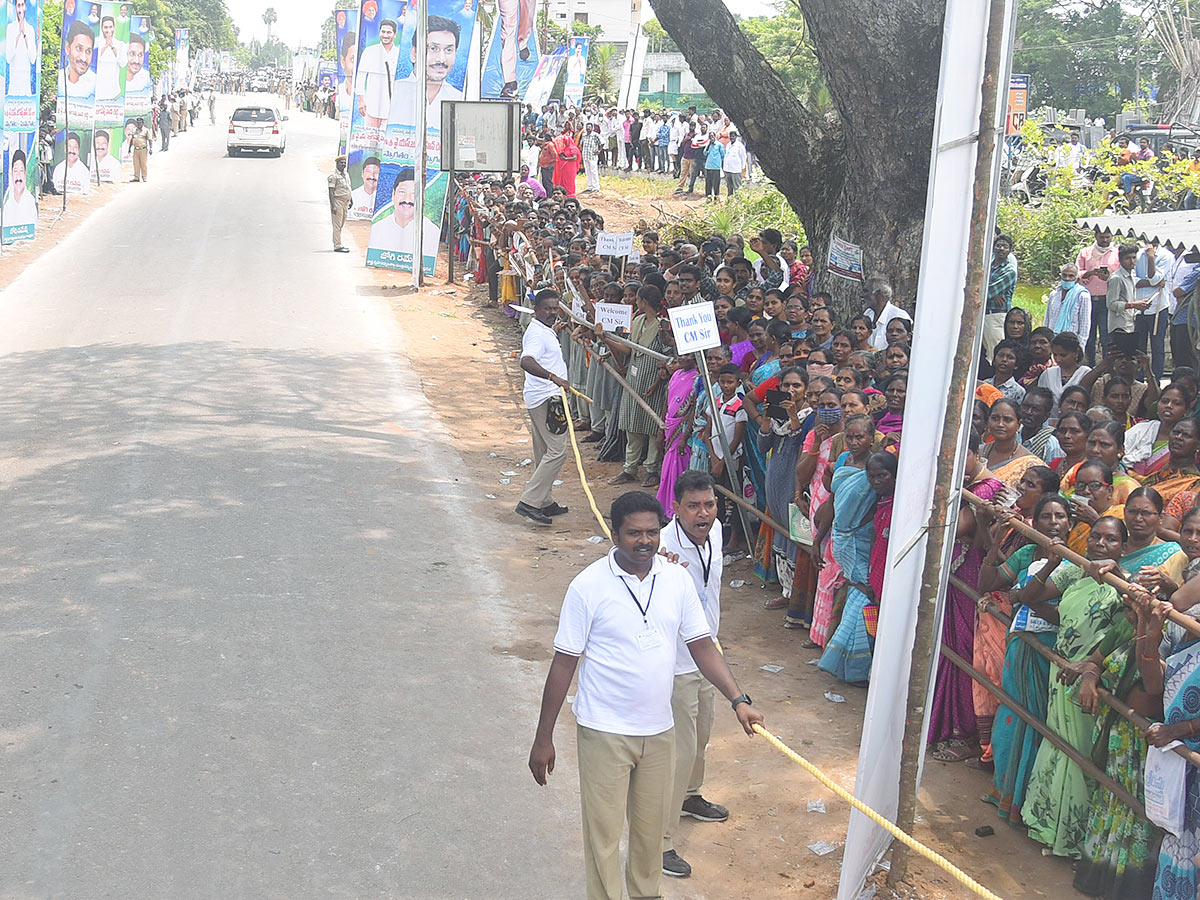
(880, 310)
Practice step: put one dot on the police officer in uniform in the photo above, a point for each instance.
(140, 142)
(339, 202)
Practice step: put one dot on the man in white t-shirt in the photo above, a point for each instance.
(545, 372)
(441, 45)
(626, 615)
(376, 72)
(398, 230)
(21, 51)
(694, 535)
(881, 310)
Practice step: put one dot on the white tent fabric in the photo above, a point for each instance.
(943, 274)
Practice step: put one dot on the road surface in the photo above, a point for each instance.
(248, 639)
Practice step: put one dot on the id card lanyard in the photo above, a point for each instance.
(705, 566)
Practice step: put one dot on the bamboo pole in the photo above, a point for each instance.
(615, 338)
(1106, 696)
(1187, 623)
(1089, 767)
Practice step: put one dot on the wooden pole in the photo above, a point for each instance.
(743, 506)
(1070, 752)
(1190, 625)
(944, 514)
(615, 338)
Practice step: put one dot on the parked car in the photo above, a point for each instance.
(256, 128)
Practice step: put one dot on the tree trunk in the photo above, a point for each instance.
(860, 172)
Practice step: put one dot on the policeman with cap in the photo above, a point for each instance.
(339, 202)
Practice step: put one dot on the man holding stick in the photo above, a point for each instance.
(626, 615)
(545, 373)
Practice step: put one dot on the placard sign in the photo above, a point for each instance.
(845, 259)
(694, 326)
(614, 243)
(614, 315)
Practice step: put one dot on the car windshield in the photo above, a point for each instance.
(253, 114)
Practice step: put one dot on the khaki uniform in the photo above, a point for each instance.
(140, 142)
(339, 202)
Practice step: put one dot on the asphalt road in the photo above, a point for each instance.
(246, 628)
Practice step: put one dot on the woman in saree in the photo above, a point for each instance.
(1179, 474)
(1105, 442)
(781, 442)
(847, 656)
(767, 337)
(1092, 499)
(895, 393)
(990, 632)
(1025, 674)
(1004, 455)
(1071, 432)
(737, 323)
(1169, 660)
(678, 415)
(714, 358)
(1146, 443)
(809, 477)
(814, 462)
(1057, 795)
(952, 727)
(1040, 357)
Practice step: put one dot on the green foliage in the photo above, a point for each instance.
(784, 41)
(1084, 54)
(52, 18)
(600, 78)
(1045, 236)
(753, 208)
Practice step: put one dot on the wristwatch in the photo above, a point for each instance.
(738, 701)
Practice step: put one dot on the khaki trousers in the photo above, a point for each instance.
(140, 158)
(338, 213)
(685, 169)
(549, 454)
(624, 778)
(641, 448)
(692, 704)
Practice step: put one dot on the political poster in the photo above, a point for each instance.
(182, 62)
(577, 59)
(346, 21)
(542, 82)
(371, 91)
(225, 63)
(450, 27)
(19, 213)
(327, 74)
(75, 107)
(513, 54)
(1018, 103)
(112, 60)
(845, 259)
(139, 91)
(22, 60)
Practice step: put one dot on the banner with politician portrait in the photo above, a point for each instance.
(139, 91)
(542, 82)
(346, 21)
(23, 64)
(112, 60)
(577, 57)
(449, 27)
(512, 55)
(182, 59)
(19, 212)
(75, 106)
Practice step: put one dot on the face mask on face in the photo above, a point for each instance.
(1066, 285)
(815, 369)
(829, 416)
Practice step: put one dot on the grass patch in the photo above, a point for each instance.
(645, 187)
(1033, 298)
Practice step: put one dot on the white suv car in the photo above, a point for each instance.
(256, 128)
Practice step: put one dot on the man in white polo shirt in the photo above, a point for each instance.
(693, 535)
(545, 372)
(625, 615)
(881, 310)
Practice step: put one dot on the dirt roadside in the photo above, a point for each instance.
(466, 351)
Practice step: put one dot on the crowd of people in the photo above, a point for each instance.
(1079, 429)
(678, 145)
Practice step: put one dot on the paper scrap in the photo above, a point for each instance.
(817, 806)
(557, 482)
(774, 670)
(822, 848)
(814, 661)
(505, 480)
(596, 539)
(737, 583)
(490, 496)
(834, 698)
(508, 474)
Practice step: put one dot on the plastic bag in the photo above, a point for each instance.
(1166, 788)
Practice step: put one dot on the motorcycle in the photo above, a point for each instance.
(1029, 185)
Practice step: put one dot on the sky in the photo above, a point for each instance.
(300, 20)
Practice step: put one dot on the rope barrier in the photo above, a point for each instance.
(583, 478)
(932, 855)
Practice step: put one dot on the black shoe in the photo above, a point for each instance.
(341, 249)
(675, 866)
(533, 515)
(553, 510)
(699, 808)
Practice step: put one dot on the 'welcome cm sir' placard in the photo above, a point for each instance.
(695, 327)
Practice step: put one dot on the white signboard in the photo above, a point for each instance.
(695, 327)
(845, 259)
(614, 315)
(613, 243)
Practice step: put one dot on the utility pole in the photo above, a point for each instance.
(419, 65)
